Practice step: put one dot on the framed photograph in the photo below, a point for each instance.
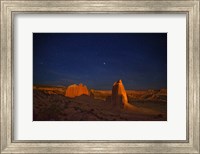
(101, 61)
(99, 76)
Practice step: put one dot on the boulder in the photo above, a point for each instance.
(119, 96)
(91, 91)
(76, 90)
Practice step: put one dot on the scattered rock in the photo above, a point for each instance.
(91, 93)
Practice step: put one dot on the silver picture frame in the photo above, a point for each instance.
(11, 7)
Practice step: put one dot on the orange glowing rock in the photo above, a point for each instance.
(76, 90)
(120, 100)
(119, 96)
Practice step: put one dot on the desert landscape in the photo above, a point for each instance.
(99, 76)
(77, 103)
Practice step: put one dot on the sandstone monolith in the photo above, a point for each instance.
(76, 90)
(119, 96)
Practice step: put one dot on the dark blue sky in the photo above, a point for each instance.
(99, 59)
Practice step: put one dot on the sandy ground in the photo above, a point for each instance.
(50, 104)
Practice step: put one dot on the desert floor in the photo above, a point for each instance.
(50, 104)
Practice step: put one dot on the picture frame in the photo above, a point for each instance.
(11, 7)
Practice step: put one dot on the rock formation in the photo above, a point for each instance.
(76, 90)
(120, 100)
(119, 96)
(91, 91)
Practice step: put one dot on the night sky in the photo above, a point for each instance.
(99, 59)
